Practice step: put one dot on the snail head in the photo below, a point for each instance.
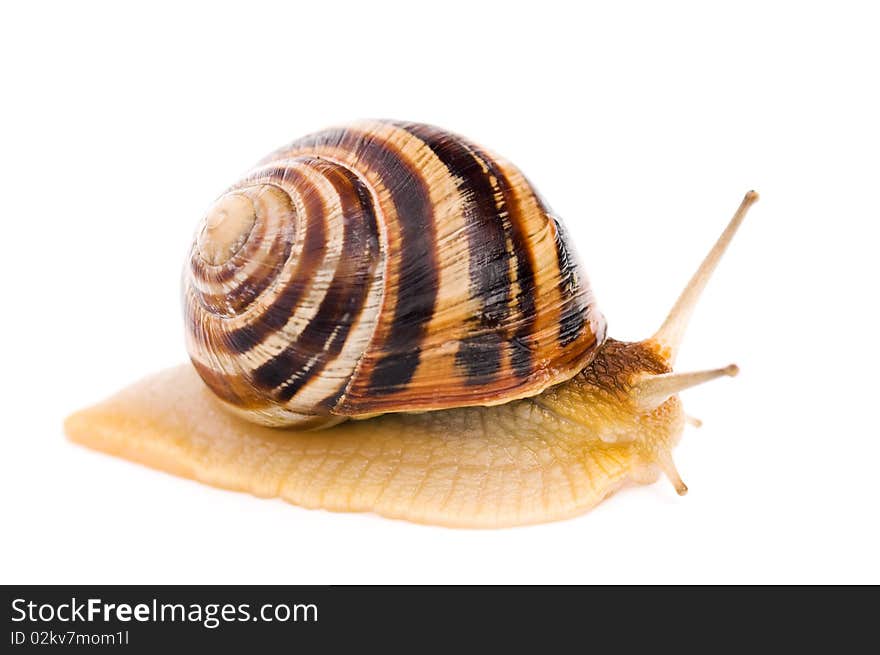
(629, 392)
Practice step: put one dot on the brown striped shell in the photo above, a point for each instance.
(383, 267)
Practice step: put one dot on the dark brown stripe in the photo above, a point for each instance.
(479, 355)
(573, 313)
(234, 389)
(572, 316)
(520, 353)
(275, 317)
(417, 295)
(324, 337)
(475, 168)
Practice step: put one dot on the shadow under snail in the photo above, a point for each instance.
(400, 275)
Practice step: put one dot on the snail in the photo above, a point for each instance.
(387, 317)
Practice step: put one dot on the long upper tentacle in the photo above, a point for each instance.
(671, 333)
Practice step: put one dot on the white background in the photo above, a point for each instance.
(641, 123)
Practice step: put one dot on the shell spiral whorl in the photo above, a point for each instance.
(383, 267)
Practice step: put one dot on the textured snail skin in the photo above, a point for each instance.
(383, 267)
(527, 461)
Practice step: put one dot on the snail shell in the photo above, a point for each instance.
(383, 267)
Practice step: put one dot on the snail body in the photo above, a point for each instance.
(517, 463)
(400, 275)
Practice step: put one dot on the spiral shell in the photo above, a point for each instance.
(383, 267)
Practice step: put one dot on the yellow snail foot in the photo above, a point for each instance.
(513, 464)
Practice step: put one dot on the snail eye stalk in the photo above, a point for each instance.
(651, 391)
(671, 333)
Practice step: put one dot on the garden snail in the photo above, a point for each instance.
(399, 273)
